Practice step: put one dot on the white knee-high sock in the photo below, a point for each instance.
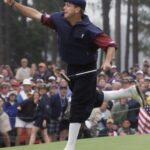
(117, 94)
(73, 135)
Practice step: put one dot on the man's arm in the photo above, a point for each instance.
(108, 58)
(24, 10)
(109, 46)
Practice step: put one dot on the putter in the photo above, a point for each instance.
(68, 78)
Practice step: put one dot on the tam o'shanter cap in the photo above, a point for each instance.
(80, 3)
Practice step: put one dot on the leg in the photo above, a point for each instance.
(73, 134)
(19, 128)
(51, 138)
(82, 103)
(28, 130)
(45, 136)
(131, 92)
(53, 128)
(6, 139)
(33, 135)
(18, 137)
(63, 135)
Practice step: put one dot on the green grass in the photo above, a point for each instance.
(135, 142)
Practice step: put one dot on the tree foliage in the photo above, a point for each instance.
(21, 37)
(144, 26)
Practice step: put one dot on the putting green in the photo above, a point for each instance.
(134, 142)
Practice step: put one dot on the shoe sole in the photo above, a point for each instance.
(140, 94)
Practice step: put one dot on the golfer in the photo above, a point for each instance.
(78, 41)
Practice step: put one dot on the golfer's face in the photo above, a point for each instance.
(69, 10)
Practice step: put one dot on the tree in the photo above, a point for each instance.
(20, 37)
(50, 37)
(6, 26)
(105, 13)
(128, 35)
(118, 32)
(135, 31)
(144, 24)
(106, 25)
(1, 32)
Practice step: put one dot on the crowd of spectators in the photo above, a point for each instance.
(35, 102)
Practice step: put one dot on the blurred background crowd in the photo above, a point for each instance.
(35, 102)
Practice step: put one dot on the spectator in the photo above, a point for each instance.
(64, 83)
(27, 88)
(40, 123)
(109, 130)
(24, 119)
(119, 111)
(101, 84)
(147, 97)
(100, 76)
(148, 74)
(59, 123)
(1, 78)
(52, 90)
(54, 124)
(125, 74)
(97, 119)
(10, 107)
(15, 85)
(136, 68)
(7, 76)
(125, 129)
(6, 71)
(147, 82)
(146, 66)
(4, 125)
(126, 82)
(64, 118)
(116, 85)
(57, 73)
(116, 76)
(133, 112)
(33, 69)
(24, 71)
(4, 90)
(133, 106)
(42, 72)
(114, 69)
(51, 67)
(52, 80)
(139, 75)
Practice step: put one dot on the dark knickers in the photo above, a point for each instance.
(84, 97)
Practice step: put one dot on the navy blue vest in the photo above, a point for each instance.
(76, 43)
